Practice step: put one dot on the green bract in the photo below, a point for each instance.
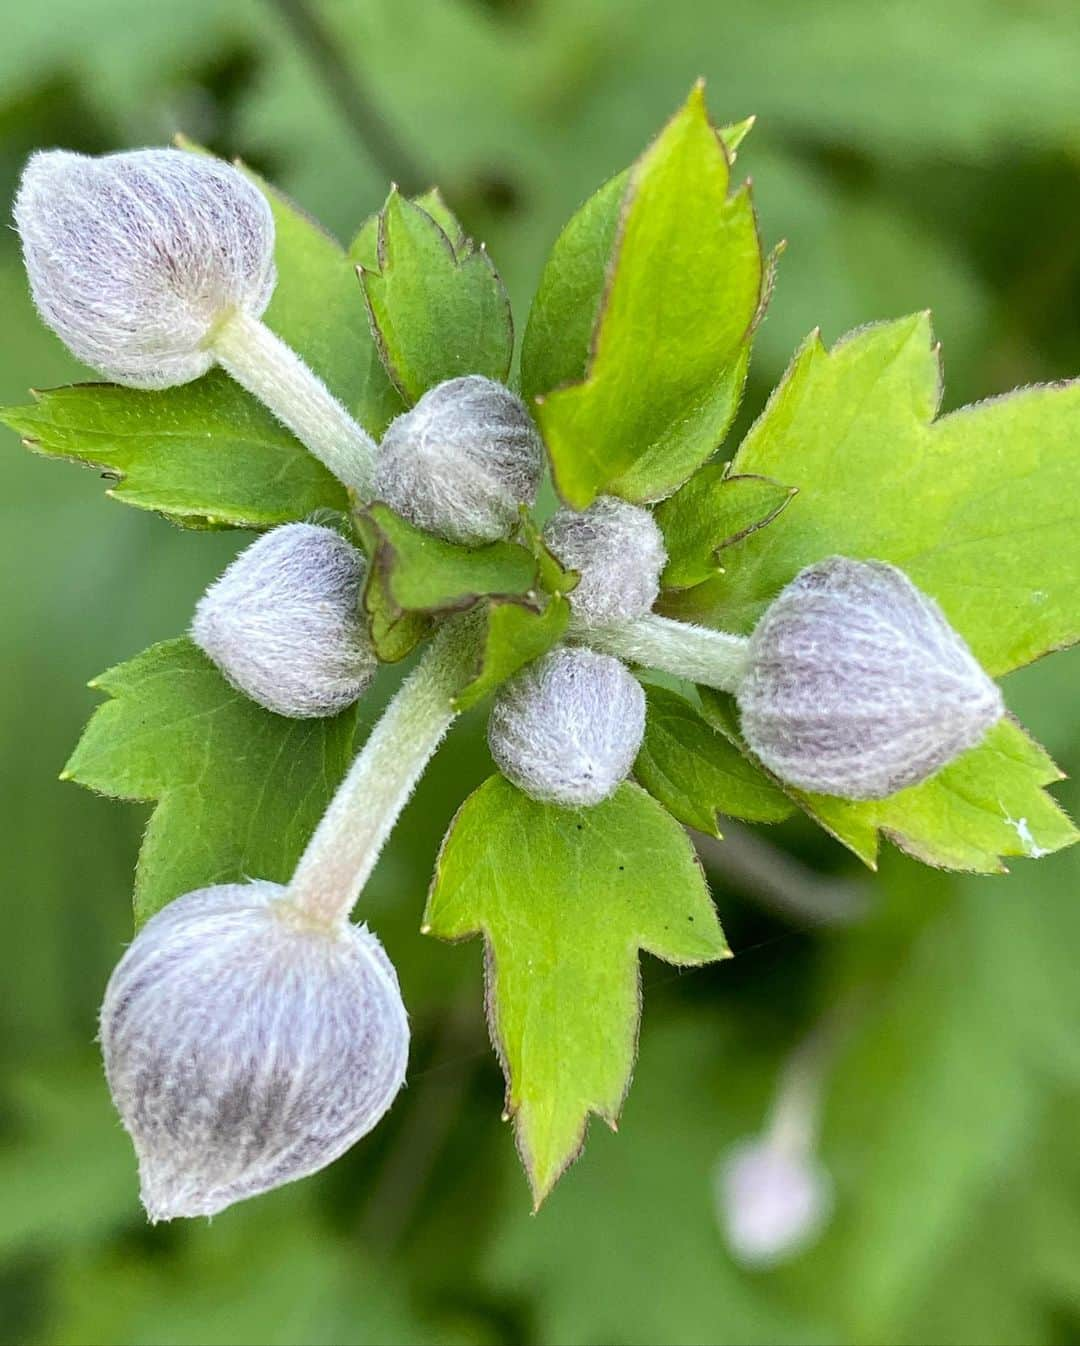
(633, 363)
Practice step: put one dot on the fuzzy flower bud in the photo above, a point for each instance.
(856, 685)
(246, 1045)
(283, 622)
(134, 258)
(771, 1202)
(618, 551)
(568, 727)
(462, 461)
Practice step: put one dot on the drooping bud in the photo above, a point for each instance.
(283, 622)
(856, 685)
(618, 550)
(771, 1201)
(134, 258)
(462, 461)
(567, 728)
(246, 1046)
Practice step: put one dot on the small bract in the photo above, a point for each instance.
(462, 461)
(283, 622)
(856, 685)
(618, 551)
(134, 258)
(247, 1046)
(567, 728)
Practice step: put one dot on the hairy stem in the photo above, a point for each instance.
(342, 853)
(712, 658)
(270, 370)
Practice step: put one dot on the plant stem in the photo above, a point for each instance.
(261, 362)
(342, 853)
(712, 658)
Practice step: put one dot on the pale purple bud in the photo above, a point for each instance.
(618, 551)
(771, 1202)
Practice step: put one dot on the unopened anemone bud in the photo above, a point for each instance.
(567, 728)
(618, 551)
(462, 462)
(135, 258)
(771, 1200)
(856, 685)
(246, 1045)
(283, 622)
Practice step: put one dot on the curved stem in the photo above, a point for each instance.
(342, 853)
(269, 369)
(712, 658)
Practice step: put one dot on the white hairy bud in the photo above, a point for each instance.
(771, 1201)
(283, 622)
(618, 551)
(856, 685)
(135, 258)
(567, 728)
(246, 1045)
(462, 461)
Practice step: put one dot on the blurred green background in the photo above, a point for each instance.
(914, 155)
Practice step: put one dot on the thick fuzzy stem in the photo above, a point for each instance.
(712, 658)
(270, 370)
(342, 853)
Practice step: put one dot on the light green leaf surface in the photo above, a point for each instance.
(565, 899)
(668, 350)
(238, 790)
(696, 773)
(439, 309)
(517, 631)
(714, 510)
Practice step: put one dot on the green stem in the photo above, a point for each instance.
(697, 653)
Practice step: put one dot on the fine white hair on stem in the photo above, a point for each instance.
(134, 258)
(247, 1046)
(618, 551)
(856, 685)
(567, 728)
(462, 461)
(283, 622)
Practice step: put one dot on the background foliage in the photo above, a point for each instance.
(915, 156)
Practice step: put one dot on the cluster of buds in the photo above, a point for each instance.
(251, 1032)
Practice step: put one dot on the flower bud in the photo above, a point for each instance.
(462, 461)
(618, 551)
(771, 1202)
(283, 622)
(856, 685)
(246, 1046)
(134, 258)
(567, 728)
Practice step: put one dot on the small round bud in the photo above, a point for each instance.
(618, 551)
(246, 1046)
(567, 728)
(462, 461)
(771, 1203)
(134, 258)
(283, 622)
(856, 685)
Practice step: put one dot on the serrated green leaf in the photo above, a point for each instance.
(978, 508)
(668, 351)
(565, 899)
(517, 631)
(698, 774)
(988, 804)
(437, 313)
(714, 510)
(238, 790)
(431, 203)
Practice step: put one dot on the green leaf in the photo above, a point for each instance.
(565, 899)
(698, 774)
(518, 631)
(207, 453)
(978, 508)
(667, 353)
(437, 312)
(712, 511)
(989, 803)
(238, 790)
